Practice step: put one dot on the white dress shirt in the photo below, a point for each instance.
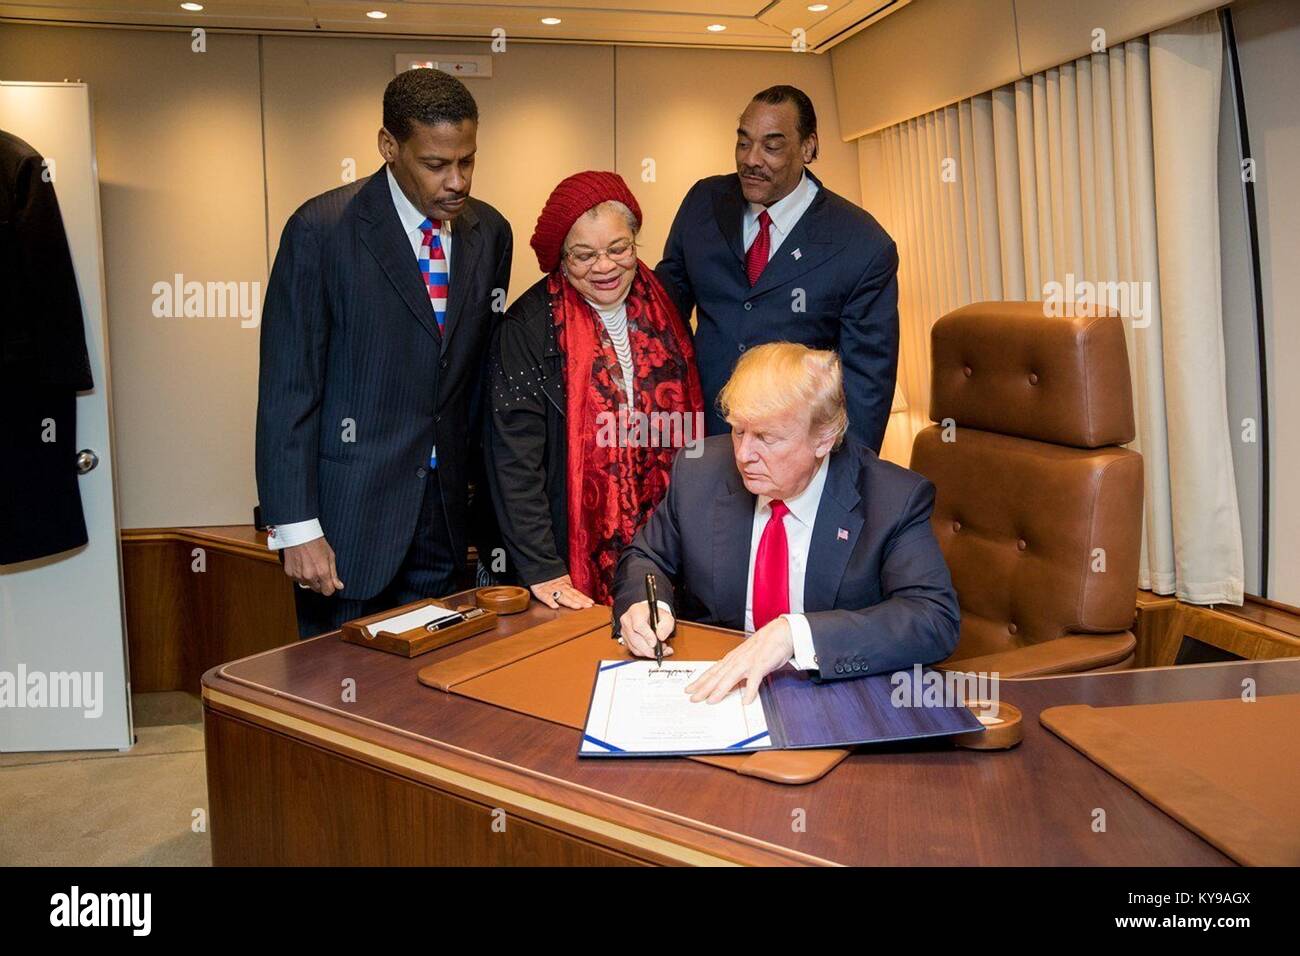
(785, 214)
(798, 534)
(300, 532)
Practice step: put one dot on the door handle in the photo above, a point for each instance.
(86, 461)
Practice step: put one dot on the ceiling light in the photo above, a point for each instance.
(715, 28)
(376, 14)
(818, 7)
(192, 7)
(551, 21)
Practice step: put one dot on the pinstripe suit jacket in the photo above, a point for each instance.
(356, 384)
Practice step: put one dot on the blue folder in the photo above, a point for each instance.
(805, 714)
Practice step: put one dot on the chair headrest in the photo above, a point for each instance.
(1006, 367)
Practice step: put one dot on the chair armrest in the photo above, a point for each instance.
(1064, 655)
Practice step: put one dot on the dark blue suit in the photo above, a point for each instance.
(349, 336)
(846, 267)
(877, 593)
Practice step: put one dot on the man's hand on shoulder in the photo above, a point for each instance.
(312, 565)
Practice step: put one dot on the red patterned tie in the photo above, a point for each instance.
(772, 569)
(759, 249)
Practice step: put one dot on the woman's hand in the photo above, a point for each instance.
(560, 592)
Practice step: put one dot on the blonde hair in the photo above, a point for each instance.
(778, 377)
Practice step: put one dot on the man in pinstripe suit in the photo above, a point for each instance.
(377, 319)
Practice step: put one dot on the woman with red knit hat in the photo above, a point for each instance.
(593, 390)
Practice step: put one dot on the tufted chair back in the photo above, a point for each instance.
(1038, 510)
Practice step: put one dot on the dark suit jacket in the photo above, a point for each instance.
(846, 268)
(879, 600)
(349, 335)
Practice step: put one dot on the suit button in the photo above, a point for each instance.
(442, 364)
(421, 472)
(436, 419)
(740, 348)
(1033, 378)
(967, 371)
(956, 526)
(1021, 545)
(748, 306)
(1012, 628)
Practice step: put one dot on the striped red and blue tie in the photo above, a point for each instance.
(433, 266)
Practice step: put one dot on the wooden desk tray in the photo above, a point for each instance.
(417, 640)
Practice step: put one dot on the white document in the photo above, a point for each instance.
(420, 617)
(639, 707)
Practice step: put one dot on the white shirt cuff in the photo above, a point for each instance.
(294, 533)
(805, 656)
(664, 608)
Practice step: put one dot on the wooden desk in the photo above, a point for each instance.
(409, 775)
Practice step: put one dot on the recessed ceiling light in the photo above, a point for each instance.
(376, 14)
(715, 27)
(551, 21)
(818, 7)
(192, 7)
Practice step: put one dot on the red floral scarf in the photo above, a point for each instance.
(618, 464)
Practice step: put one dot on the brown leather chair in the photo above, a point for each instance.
(1038, 510)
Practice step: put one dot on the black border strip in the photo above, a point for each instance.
(1261, 343)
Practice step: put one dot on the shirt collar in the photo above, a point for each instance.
(411, 218)
(804, 505)
(785, 211)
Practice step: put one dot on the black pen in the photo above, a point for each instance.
(438, 625)
(653, 600)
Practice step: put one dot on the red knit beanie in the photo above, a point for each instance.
(569, 200)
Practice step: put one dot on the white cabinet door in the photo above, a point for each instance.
(61, 617)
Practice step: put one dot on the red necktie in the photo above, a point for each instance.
(759, 249)
(772, 569)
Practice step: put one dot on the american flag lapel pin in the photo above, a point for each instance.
(842, 535)
(797, 254)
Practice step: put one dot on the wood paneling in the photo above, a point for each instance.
(181, 620)
(322, 809)
(1259, 631)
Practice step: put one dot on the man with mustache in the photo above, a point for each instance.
(770, 254)
(375, 330)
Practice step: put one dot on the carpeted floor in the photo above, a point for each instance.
(106, 808)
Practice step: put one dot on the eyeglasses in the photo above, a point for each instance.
(620, 253)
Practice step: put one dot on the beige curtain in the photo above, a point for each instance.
(1071, 176)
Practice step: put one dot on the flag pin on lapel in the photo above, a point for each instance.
(842, 535)
(797, 254)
